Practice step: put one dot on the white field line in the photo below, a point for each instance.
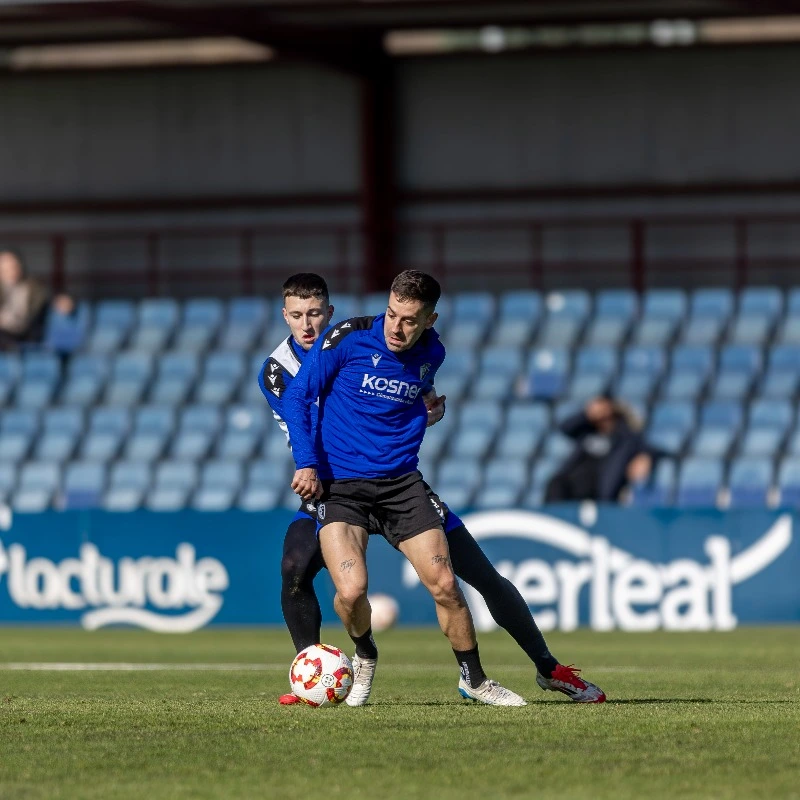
(125, 666)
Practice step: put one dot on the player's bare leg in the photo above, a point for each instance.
(344, 548)
(429, 555)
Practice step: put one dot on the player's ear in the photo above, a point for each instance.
(431, 319)
(330, 313)
(285, 315)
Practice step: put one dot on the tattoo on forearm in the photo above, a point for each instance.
(346, 565)
(440, 560)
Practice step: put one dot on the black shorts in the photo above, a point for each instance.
(396, 508)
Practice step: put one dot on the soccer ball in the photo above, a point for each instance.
(321, 675)
(384, 612)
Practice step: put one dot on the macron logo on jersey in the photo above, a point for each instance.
(375, 359)
(423, 371)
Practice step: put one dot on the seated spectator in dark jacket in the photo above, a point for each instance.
(23, 303)
(609, 453)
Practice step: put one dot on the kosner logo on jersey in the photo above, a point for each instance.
(624, 592)
(170, 595)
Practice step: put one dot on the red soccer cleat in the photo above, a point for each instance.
(565, 679)
(288, 699)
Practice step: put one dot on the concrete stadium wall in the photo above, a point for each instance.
(157, 133)
(672, 117)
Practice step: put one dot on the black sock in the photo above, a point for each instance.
(301, 563)
(469, 662)
(503, 599)
(365, 645)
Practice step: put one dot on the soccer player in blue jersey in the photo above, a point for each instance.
(307, 312)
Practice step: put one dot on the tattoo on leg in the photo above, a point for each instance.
(345, 565)
(440, 560)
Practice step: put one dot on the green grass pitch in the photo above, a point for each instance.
(689, 715)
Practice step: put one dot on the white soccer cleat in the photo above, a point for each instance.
(363, 675)
(491, 693)
(565, 680)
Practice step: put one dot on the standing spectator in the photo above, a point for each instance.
(23, 303)
(609, 453)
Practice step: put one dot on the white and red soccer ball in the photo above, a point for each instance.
(321, 675)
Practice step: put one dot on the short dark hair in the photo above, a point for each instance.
(306, 285)
(415, 285)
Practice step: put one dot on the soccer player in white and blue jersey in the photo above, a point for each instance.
(307, 312)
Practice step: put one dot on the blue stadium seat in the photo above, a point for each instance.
(596, 360)
(86, 377)
(18, 427)
(670, 304)
(750, 481)
(659, 490)
(202, 318)
(712, 442)
(196, 432)
(519, 443)
(471, 442)
(764, 300)
(177, 372)
(673, 414)
(789, 482)
(159, 312)
(502, 360)
(722, 414)
(777, 414)
(128, 482)
(219, 484)
(780, 384)
(460, 360)
(513, 332)
(130, 374)
(113, 322)
(648, 359)
(752, 329)
(457, 481)
(557, 445)
(519, 304)
(153, 426)
(742, 358)
(762, 442)
(528, 416)
(454, 386)
(174, 481)
(222, 373)
(543, 470)
(699, 482)
(714, 304)
(475, 305)
(467, 332)
(61, 429)
(66, 333)
(654, 332)
(684, 385)
(559, 332)
(244, 428)
(702, 331)
(40, 475)
(620, 304)
(606, 332)
(503, 483)
(40, 374)
(585, 386)
(636, 387)
(265, 474)
(84, 484)
(10, 369)
(252, 311)
(107, 428)
(548, 370)
(573, 303)
(8, 480)
(789, 332)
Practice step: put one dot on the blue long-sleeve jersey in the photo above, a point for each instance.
(371, 416)
(275, 375)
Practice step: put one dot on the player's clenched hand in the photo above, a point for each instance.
(435, 406)
(306, 483)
